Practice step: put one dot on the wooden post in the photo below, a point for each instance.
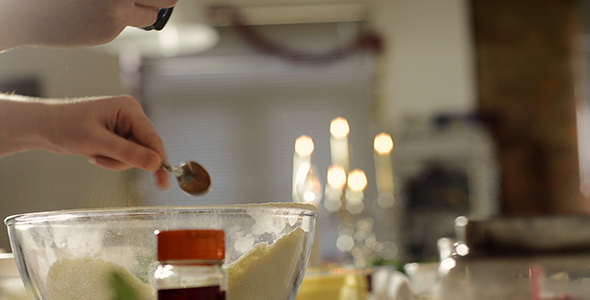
(525, 58)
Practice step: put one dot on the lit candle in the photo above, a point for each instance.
(302, 158)
(336, 177)
(339, 130)
(336, 180)
(383, 145)
(357, 182)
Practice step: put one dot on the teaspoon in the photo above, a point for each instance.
(191, 176)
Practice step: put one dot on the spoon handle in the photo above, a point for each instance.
(166, 167)
(174, 170)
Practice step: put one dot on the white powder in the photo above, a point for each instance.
(266, 272)
(87, 278)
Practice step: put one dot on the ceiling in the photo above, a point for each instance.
(261, 12)
(246, 3)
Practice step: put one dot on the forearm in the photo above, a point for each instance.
(67, 23)
(14, 24)
(52, 23)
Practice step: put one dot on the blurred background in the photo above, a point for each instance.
(486, 104)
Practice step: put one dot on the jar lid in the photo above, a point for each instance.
(191, 245)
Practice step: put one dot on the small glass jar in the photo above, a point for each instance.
(190, 265)
(519, 258)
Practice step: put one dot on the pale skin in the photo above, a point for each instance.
(113, 132)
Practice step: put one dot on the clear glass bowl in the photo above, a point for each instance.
(126, 237)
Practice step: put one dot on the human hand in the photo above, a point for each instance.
(73, 23)
(113, 131)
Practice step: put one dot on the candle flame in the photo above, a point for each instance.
(357, 180)
(304, 145)
(339, 128)
(336, 177)
(383, 143)
(309, 197)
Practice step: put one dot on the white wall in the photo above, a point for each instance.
(429, 58)
(65, 73)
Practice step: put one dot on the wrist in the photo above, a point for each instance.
(18, 121)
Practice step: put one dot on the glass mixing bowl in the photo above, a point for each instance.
(125, 238)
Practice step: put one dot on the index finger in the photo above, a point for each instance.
(144, 133)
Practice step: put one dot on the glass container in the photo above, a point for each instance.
(527, 258)
(72, 251)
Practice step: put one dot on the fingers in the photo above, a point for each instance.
(119, 154)
(141, 139)
(119, 149)
(143, 132)
(109, 163)
(161, 176)
(162, 179)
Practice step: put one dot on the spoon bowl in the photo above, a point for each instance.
(192, 178)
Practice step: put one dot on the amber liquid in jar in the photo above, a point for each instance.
(196, 293)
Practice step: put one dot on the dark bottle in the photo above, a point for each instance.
(190, 265)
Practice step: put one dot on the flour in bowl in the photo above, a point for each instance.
(88, 278)
(266, 271)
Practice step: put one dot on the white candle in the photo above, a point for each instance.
(339, 130)
(383, 145)
(357, 182)
(303, 149)
(336, 179)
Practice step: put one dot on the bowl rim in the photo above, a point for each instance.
(276, 208)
